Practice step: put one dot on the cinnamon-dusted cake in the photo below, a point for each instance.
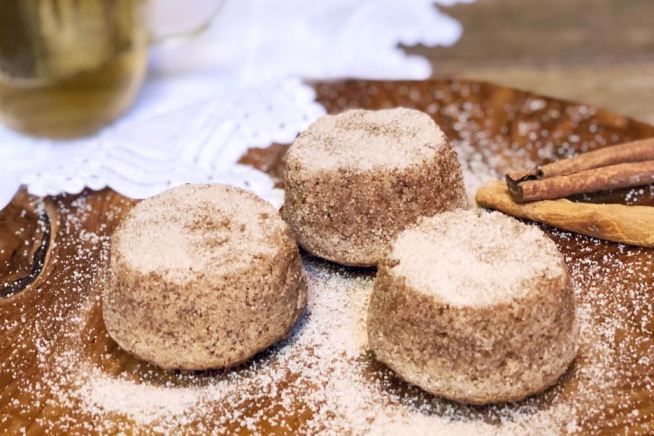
(354, 180)
(202, 276)
(473, 306)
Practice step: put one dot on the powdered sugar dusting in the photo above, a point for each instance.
(363, 140)
(144, 403)
(322, 379)
(323, 372)
(473, 258)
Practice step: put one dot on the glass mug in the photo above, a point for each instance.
(70, 67)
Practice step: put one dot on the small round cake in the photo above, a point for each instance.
(473, 306)
(353, 181)
(202, 276)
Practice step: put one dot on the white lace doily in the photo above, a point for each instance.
(235, 86)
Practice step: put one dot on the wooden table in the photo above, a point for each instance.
(596, 51)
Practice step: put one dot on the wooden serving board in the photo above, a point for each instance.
(52, 251)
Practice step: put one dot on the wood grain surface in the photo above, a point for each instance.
(73, 230)
(599, 52)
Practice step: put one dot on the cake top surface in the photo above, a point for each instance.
(197, 229)
(364, 139)
(475, 258)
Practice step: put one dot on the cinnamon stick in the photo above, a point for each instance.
(636, 151)
(622, 175)
(633, 225)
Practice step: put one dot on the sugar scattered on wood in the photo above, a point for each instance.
(322, 378)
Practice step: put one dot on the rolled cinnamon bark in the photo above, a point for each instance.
(597, 179)
(632, 225)
(636, 151)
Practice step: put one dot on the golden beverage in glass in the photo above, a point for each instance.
(69, 67)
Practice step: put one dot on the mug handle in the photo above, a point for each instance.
(185, 35)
